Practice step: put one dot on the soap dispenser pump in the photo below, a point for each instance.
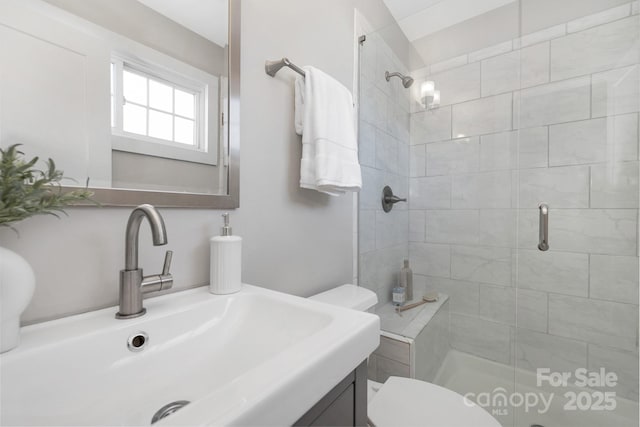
(226, 257)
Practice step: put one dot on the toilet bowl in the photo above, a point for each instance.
(406, 401)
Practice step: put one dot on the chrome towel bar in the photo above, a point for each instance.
(272, 67)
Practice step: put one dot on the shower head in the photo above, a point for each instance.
(406, 80)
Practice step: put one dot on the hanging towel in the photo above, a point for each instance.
(299, 105)
(325, 117)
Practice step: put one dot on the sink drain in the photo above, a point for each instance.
(168, 409)
(137, 341)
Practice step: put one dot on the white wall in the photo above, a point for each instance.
(296, 241)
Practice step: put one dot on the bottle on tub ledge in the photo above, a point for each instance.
(399, 296)
(406, 280)
(226, 261)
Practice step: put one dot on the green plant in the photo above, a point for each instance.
(26, 191)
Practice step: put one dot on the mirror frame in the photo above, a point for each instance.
(231, 200)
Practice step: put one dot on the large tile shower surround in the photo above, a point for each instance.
(542, 118)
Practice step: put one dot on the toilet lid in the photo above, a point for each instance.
(408, 402)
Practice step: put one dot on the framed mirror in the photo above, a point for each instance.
(139, 100)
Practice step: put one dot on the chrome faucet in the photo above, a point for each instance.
(132, 283)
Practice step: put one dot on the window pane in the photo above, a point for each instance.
(160, 125)
(160, 96)
(184, 131)
(134, 119)
(134, 88)
(185, 104)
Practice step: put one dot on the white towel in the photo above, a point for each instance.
(299, 105)
(325, 117)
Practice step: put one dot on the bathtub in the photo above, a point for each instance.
(416, 345)
(474, 377)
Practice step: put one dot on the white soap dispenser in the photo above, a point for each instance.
(226, 257)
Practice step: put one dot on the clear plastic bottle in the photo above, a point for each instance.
(399, 296)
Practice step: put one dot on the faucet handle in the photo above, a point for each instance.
(159, 282)
(167, 263)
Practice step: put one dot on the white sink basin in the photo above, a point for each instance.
(257, 357)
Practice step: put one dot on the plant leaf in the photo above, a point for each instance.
(26, 191)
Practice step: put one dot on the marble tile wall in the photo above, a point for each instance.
(384, 158)
(432, 345)
(549, 117)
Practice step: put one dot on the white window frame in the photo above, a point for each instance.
(203, 85)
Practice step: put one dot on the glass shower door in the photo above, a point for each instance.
(576, 116)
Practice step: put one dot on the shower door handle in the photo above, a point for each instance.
(543, 245)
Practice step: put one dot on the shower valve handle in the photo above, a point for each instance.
(389, 199)
(394, 199)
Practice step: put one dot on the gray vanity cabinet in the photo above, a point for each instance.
(344, 405)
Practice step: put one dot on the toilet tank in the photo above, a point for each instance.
(349, 296)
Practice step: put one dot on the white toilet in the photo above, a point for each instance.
(405, 401)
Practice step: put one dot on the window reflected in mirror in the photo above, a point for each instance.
(115, 103)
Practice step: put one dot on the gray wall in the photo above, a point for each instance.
(132, 170)
(296, 241)
(160, 33)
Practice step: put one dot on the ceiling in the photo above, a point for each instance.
(420, 18)
(208, 18)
